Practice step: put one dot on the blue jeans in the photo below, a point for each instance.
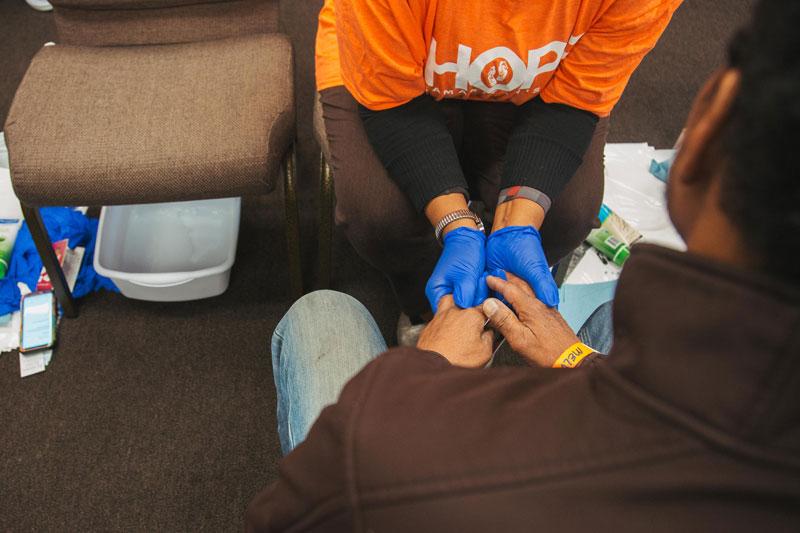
(326, 338)
(598, 331)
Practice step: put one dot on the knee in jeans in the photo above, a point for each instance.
(318, 303)
(311, 314)
(318, 317)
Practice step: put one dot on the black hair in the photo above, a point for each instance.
(761, 137)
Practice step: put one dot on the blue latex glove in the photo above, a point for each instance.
(518, 250)
(460, 270)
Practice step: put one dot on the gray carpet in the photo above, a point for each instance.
(162, 416)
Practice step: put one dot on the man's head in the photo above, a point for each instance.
(734, 191)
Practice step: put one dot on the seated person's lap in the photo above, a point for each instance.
(386, 230)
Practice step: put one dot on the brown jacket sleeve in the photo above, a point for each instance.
(315, 481)
(592, 359)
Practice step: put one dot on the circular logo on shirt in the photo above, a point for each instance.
(497, 71)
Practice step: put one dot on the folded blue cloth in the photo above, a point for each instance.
(660, 170)
(578, 302)
(61, 223)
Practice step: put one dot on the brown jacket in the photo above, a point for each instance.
(691, 424)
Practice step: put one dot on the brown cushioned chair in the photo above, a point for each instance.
(145, 101)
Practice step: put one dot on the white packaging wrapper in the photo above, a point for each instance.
(639, 198)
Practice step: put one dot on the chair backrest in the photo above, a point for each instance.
(138, 22)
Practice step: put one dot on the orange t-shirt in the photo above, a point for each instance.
(576, 52)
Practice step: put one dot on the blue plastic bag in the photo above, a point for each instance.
(61, 223)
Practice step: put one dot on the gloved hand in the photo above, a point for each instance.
(460, 270)
(518, 250)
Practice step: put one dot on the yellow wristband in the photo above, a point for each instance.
(573, 356)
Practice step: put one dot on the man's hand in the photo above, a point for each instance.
(459, 270)
(540, 334)
(518, 250)
(458, 335)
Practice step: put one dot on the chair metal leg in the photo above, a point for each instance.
(325, 223)
(292, 224)
(45, 248)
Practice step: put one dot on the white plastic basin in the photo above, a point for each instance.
(169, 252)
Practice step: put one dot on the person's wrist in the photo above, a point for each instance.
(518, 212)
(443, 205)
(572, 356)
(460, 223)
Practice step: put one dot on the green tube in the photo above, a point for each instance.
(8, 235)
(612, 247)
